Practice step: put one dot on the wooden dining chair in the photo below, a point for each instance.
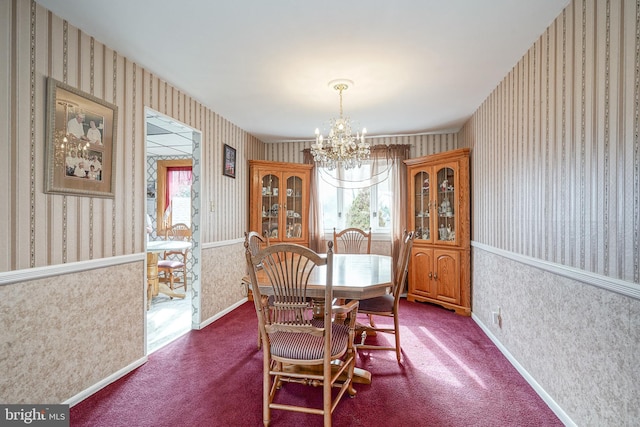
(387, 305)
(172, 268)
(255, 242)
(352, 241)
(296, 347)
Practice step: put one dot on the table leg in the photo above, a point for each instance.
(164, 289)
(152, 277)
(154, 286)
(360, 376)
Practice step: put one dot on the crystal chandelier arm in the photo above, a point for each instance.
(342, 148)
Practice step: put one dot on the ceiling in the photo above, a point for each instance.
(166, 137)
(418, 66)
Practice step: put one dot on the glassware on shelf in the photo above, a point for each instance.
(445, 208)
(443, 233)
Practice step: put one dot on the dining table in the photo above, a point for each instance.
(355, 276)
(154, 285)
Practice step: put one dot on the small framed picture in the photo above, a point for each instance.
(229, 158)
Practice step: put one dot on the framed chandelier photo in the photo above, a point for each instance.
(81, 142)
(341, 148)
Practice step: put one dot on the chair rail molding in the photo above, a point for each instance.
(28, 274)
(622, 287)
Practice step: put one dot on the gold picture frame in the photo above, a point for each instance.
(81, 142)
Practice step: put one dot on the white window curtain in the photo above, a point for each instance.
(387, 163)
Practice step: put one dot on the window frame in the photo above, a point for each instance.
(340, 213)
(162, 167)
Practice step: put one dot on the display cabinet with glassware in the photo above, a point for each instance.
(439, 213)
(279, 200)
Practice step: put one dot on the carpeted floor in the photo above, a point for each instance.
(451, 375)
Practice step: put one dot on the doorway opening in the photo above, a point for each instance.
(173, 189)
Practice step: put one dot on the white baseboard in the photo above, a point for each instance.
(222, 313)
(131, 367)
(532, 382)
(105, 382)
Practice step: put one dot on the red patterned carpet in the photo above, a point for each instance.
(451, 375)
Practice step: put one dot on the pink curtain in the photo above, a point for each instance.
(177, 178)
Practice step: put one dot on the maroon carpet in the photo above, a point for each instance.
(451, 375)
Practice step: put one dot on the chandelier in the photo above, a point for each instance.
(65, 144)
(341, 147)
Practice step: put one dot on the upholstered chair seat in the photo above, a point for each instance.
(387, 305)
(382, 303)
(308, 347)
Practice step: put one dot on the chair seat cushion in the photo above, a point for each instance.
(167, 263)
(383, 303)
(303, 346)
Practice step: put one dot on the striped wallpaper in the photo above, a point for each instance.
(556, 156)
(43, 229)
(421, 145)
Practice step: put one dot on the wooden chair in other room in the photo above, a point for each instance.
(352, 241)
(172, 268)
(293, 342)
(255, 242)
(387, 305)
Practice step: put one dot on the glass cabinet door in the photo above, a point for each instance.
(446, 205)
(270, 205)
(422, 214)
(293, 206)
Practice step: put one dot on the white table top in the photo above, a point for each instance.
(167, 245)
(354, 277)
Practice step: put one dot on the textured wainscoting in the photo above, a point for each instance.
(71, 331)
(579, 342)
(555, 167)
(223, 266)
(63, 334)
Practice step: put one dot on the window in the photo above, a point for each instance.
(364, 207)
(174, 193)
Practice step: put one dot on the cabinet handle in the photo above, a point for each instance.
(430, 275)
(435, 276)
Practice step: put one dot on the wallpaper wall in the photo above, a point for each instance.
(45, 229)
(72, 268)
(421, 145)
(555, 211)
(559, 180)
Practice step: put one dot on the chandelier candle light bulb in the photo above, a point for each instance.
(342, 147)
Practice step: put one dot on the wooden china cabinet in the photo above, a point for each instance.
(439, 198)
(279, 200)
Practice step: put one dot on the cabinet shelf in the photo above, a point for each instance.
(439, 267)
(279, 200)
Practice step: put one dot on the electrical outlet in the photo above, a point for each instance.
(496, 316)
